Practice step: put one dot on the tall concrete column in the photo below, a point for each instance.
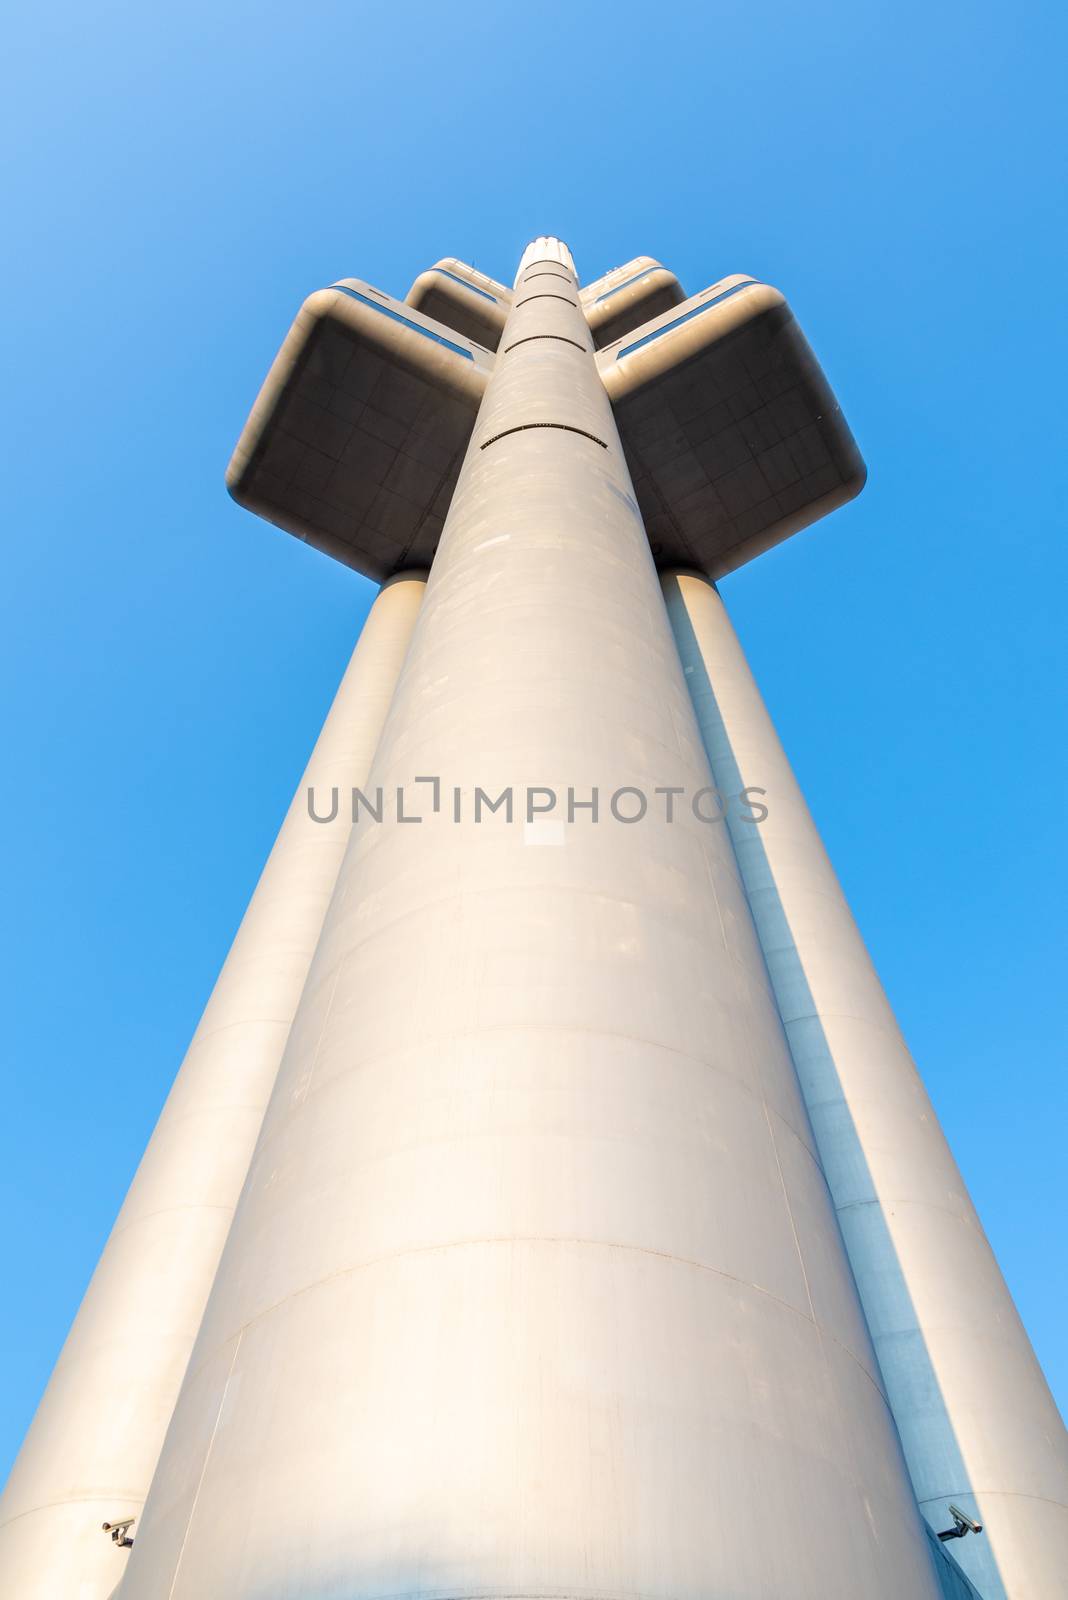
(93, 1446)
(535, 1287)
(978, 1423)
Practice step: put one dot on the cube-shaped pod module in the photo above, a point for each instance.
(628, 297)
(355, 441)
(463, 299)
(733, 436)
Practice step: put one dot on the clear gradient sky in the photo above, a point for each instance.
(180, 177)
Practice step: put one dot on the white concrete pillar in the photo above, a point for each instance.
(92, 1448)
(978, 1423)
(535, 1287)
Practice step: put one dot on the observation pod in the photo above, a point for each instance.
(357, 435)
(629, 297)
(466, 300)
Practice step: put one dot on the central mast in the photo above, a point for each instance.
(535, 1288)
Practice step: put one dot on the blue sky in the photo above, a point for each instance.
(184, 176)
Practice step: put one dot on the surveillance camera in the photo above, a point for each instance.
(120, 1532)
(960, 1516)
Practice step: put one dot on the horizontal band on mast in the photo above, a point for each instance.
(558, 336)
(522, 427)
(545, 296)
(547, 262)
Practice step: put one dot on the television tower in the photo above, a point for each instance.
(548, 1205)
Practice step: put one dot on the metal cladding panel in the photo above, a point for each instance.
(733, 436)
(357, 435)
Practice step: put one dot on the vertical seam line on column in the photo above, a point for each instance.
(204, 1468)
(322, 1031)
